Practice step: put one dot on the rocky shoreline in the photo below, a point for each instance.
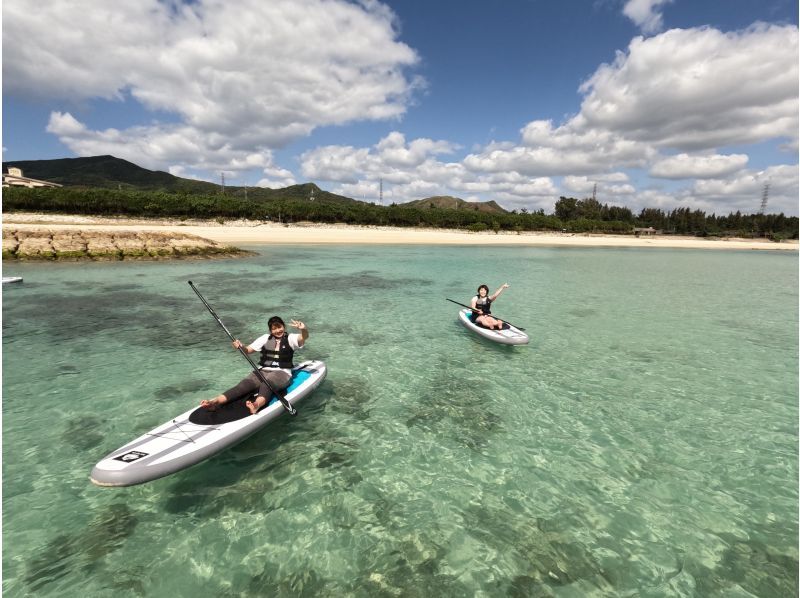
(47, 244)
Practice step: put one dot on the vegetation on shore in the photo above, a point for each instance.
(571, 215)
(107, 185)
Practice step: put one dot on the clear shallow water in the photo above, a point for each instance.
(645, 443)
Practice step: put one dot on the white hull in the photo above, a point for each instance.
(507, 336)
(180, 443)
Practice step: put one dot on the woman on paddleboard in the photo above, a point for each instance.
(277, 349)
(482, 307)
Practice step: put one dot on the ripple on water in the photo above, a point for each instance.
(636, 448)
(105, 534)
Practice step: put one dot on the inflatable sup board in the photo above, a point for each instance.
(509, 335)
(198, 434)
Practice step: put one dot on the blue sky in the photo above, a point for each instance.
(660, 103)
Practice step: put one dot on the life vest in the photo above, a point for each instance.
(277, 353)
(484, 304)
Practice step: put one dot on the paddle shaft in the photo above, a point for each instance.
(256, 369)
(470, 307)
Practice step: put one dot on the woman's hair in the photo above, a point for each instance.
(483, 286)
(275, 320)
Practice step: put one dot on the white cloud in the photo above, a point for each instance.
(744, 191)
(695, 89)
(568, 149)
(79, 49)
(608, 186)
(684, 166)
(276, 178)
(645, 13)
(394, 151)
(243, 76)
(392, 159)
(410, 170)
(340, 164)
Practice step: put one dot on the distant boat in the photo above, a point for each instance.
(10, 279)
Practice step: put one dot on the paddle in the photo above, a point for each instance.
(470, 307)
(284, 402)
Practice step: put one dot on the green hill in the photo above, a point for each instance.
(107, 172)
(448, 202)
(110, 172)
(305, 191)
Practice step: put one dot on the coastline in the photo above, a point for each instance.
(260, 233)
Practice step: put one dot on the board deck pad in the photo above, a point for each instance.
(236, 409)
(471, 317)
(229, 412)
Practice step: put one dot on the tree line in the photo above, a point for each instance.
(571, 215)
(682, 221)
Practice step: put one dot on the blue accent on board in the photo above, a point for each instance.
(297, 380)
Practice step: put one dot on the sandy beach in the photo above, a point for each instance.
(242, 232)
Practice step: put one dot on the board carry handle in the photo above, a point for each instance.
(470, 307)
(286, 404)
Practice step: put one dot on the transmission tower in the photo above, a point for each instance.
(764, 199)
(222, 176)
(594, 193)
(381, 193)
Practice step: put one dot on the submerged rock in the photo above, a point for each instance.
(47, 244)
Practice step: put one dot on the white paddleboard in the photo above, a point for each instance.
(197, 435)
(506, 336)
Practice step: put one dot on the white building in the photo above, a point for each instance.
(14, 178)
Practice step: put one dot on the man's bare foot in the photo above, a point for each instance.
(212, 404)
(254, 406)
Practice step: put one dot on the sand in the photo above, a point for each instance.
(239, 232)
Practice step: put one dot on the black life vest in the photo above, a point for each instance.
(277, 353)
(484, 304)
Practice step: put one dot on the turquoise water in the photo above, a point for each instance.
(644, 444)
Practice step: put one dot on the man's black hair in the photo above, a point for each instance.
(275, 320)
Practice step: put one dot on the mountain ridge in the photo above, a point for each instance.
(448, 202)
(110, 172)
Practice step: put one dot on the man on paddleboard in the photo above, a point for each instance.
(277, 350)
